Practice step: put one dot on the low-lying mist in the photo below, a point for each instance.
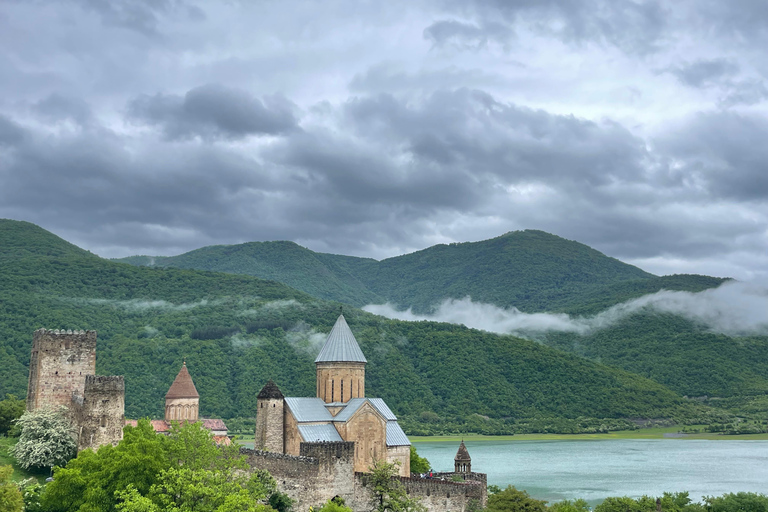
(734, 308)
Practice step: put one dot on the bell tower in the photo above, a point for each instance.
(340, 366)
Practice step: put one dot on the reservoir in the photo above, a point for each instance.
(596, 469)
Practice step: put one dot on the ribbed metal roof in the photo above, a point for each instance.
(385, 411)
(349, 409)
(395, 435)
(319, 433)
(308, 409)
(341, 345)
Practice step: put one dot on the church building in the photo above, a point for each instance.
(339, 412)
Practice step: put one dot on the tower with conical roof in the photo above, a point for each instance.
(340, 366)
(182, 401)
(462, 463)
(270, 423)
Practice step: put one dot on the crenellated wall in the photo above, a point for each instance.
(436, 494)
(324, 470)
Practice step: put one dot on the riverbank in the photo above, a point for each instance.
(644, 433)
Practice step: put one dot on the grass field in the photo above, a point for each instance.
(18, 473)
(646, 433)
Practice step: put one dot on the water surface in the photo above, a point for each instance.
(596, 469)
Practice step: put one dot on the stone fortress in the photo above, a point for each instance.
(316, 448)
(62, 373)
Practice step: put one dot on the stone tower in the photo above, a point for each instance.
(100, 412)
(59, 362)
(182, 401)
(269, 419)
(340, 366)
(462, 463)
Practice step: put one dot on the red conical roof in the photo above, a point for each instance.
(182, 386)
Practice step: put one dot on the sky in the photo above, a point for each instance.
(379, 128)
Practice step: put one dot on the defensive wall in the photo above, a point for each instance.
(99, 413)
(326, 470)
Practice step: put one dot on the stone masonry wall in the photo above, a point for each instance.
(325, 471)
(269, 425)
(435, 494)
(59, 362)
(100, 412)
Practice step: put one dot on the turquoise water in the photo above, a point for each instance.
(594, 470)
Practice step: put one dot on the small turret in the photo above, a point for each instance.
(462, 463)
(269, 419)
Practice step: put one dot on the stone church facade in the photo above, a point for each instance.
(339, 413)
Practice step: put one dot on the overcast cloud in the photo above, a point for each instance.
(379, 128)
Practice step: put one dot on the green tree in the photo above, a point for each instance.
(418, 464)
(46, 440)
(92, 480)
(335, 505)
(387, 492)
(11, 409)
(512, 500)
(182, 489)
(737, 502)
(10, 497)
(578, 505)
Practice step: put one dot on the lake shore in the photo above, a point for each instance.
(643, 433)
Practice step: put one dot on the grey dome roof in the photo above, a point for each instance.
(341, 345)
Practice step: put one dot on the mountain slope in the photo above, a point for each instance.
(530, 270)
(286, 262)
(236, 332)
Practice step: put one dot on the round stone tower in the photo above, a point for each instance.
(269, 419)
(340, 366)
(462, 463)
(182, 400)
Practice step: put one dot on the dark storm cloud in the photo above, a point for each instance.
(57, 107)
(214, 111)
(144, 16)
(634, 27)
(705, 72)
(466, 35)
(483, 137)
(10, 132)
(726, 152)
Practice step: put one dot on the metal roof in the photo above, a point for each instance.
(395, 435)
(319, 433)
(385, 411)
(308, 409)
(341, 345)
(349, 409)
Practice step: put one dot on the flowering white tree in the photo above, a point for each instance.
(47, 439)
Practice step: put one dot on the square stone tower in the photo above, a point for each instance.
(58, 365)
(100, 411)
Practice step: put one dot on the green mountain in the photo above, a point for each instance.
(531, 270)
(237, 331)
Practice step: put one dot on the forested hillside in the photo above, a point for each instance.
(237, 331)
(531, 270)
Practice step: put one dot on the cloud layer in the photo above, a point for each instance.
(734, 309)
(636, 127)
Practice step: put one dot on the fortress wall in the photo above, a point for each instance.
(435, 494)
(100, 411)
(312, 479)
